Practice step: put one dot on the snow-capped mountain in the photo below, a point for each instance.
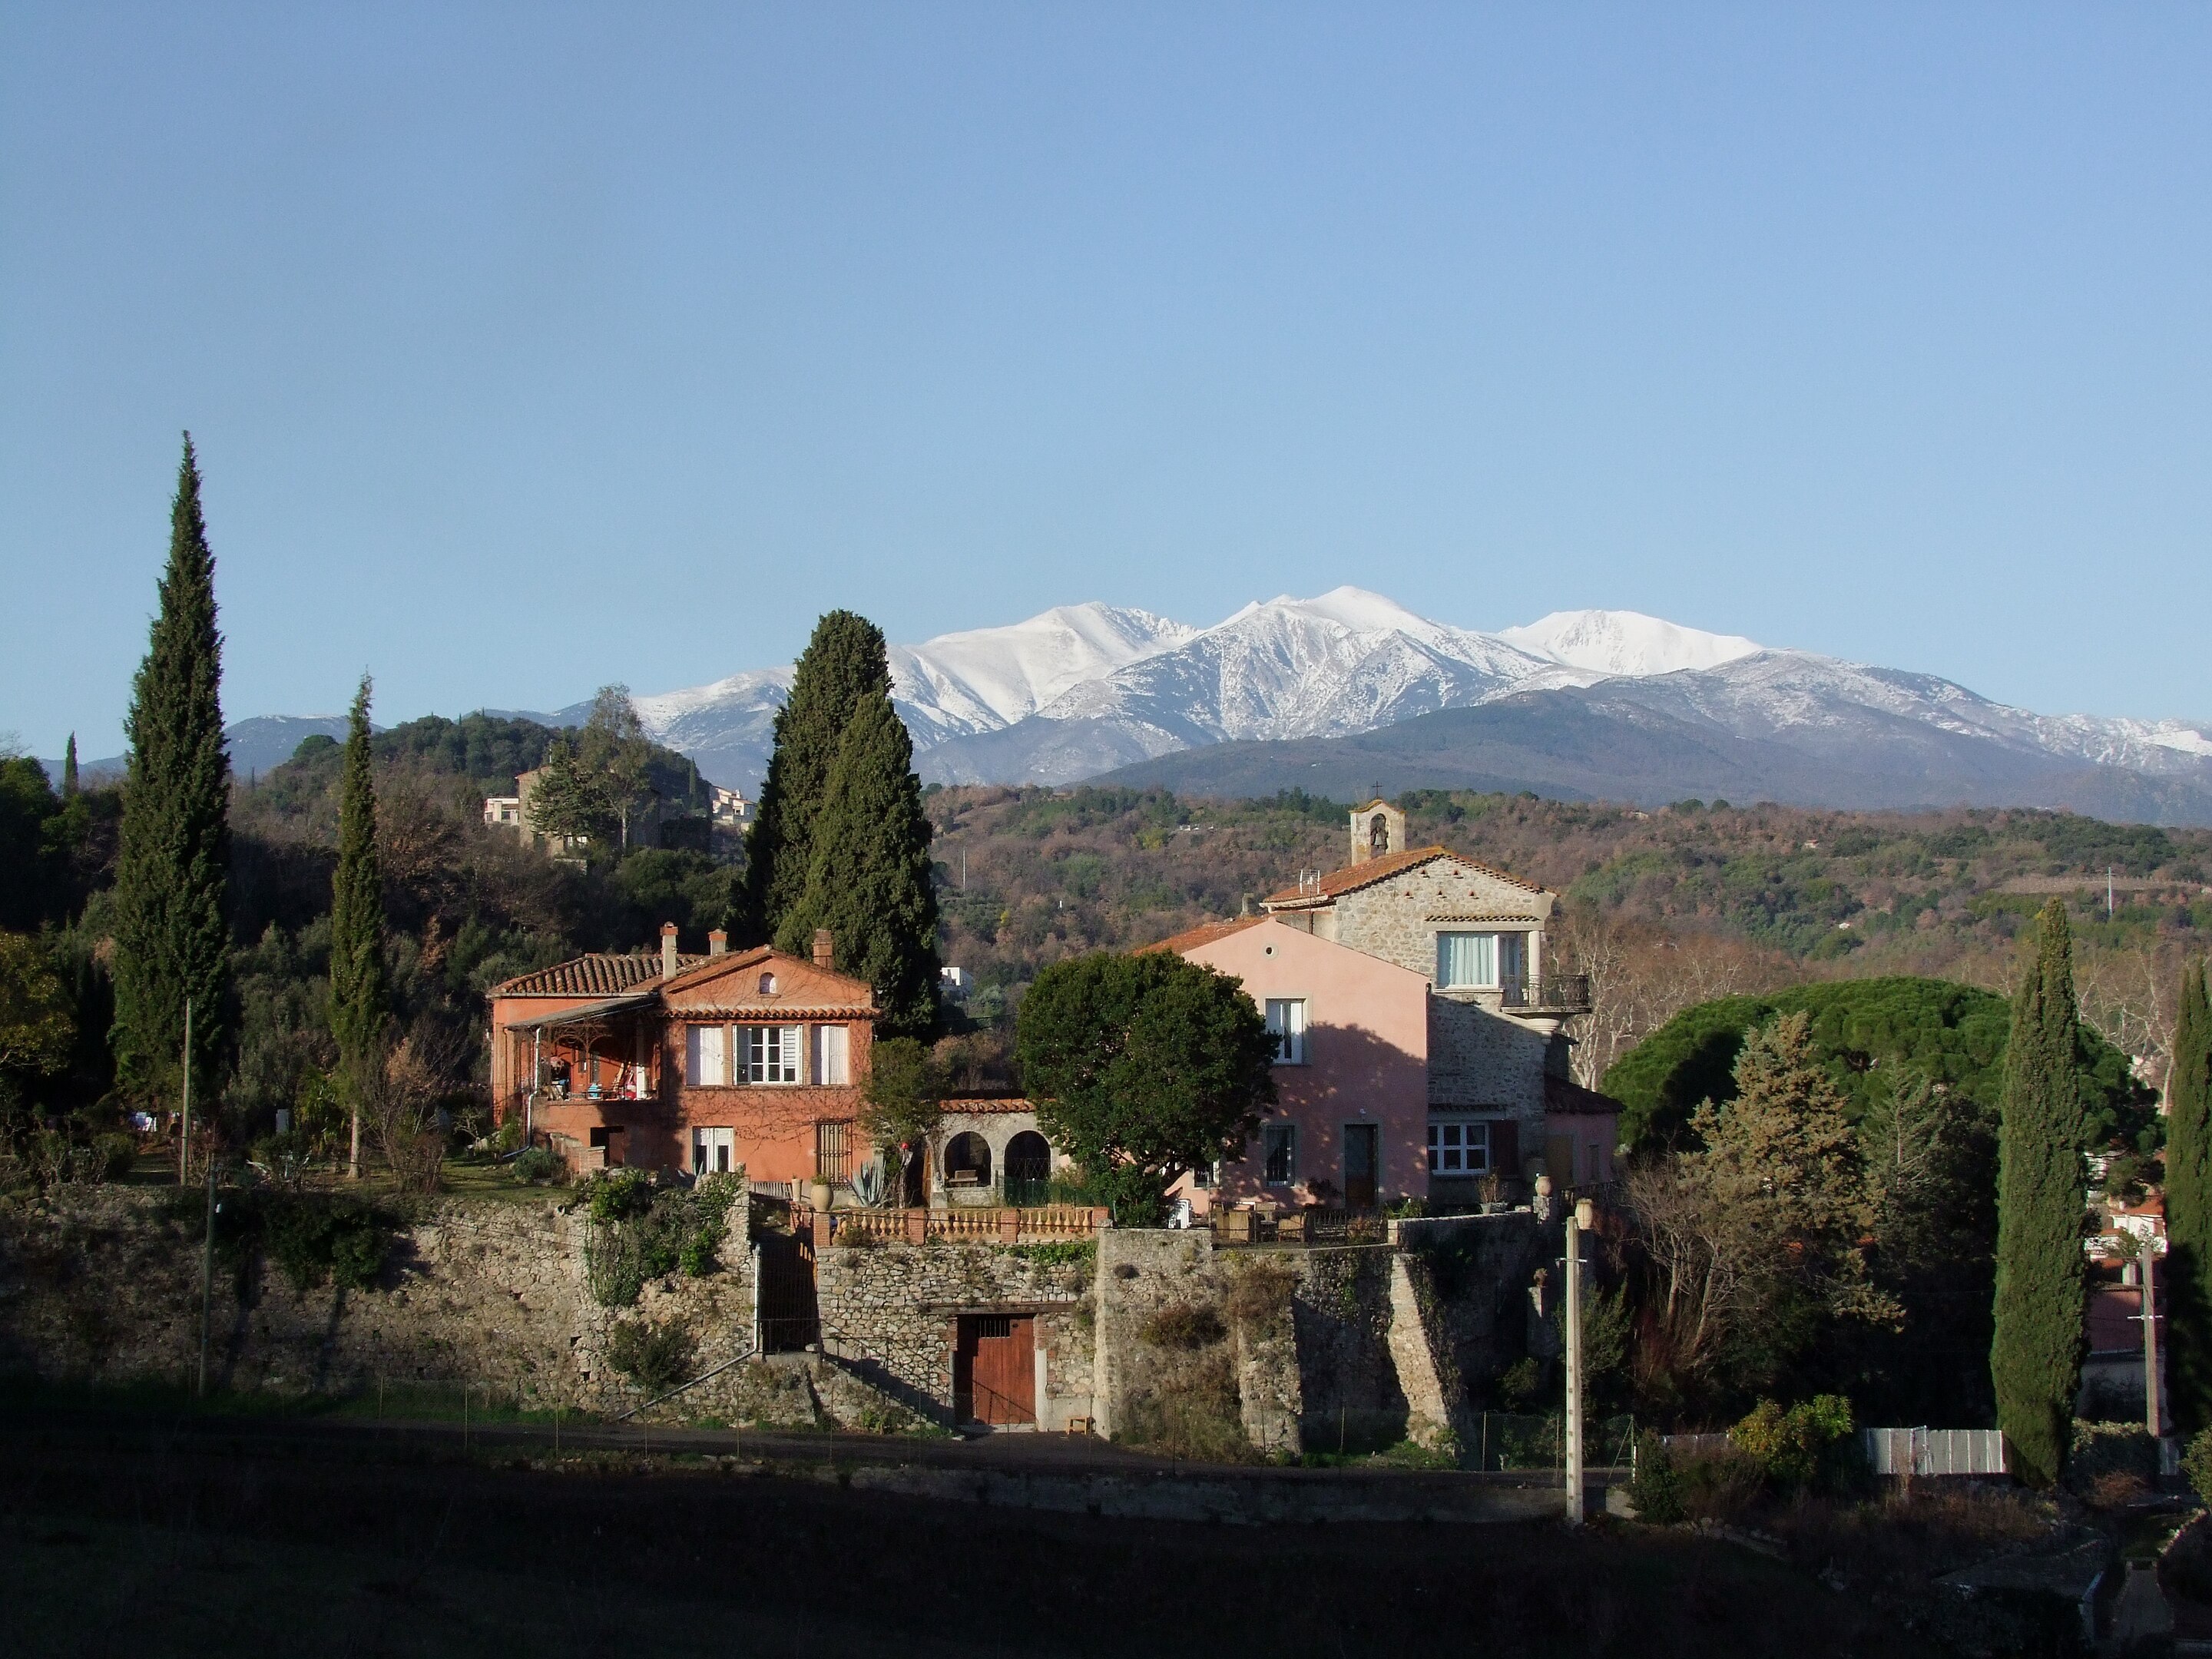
(1083, 690)
(1612, 642)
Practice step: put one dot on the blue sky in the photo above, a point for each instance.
(530, 348)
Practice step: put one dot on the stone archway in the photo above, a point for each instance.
(1026, 1169)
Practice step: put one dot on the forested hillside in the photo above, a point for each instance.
(1664, 908)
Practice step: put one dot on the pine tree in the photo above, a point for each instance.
(171, 935)
(870, 882)
(845, 661)
(69, 768)
(360, 985)
(2035, 1358)
(2188, 1271)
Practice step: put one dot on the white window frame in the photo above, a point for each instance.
(1286, 1024)
(1285, 1135)
(1508, 959)
(833, 1055)
(1452, 1147)
(706, 1049)
(772, 1054)
(706, 1142)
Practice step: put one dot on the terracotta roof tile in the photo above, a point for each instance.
(985, 1105)
(1353, 877)
(1205, 933)
(602, 973)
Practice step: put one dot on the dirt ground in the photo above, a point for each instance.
(126, 1534)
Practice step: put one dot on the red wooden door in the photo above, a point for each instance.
(995, 1368)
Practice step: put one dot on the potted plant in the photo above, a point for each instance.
(1493, 1194)
(819, 1192)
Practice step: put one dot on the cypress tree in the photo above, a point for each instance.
(360, 987)
(172, 874)
(869, 883)
(2188, 1271)
(2035, 1358)
(68, 767)
(844, 662)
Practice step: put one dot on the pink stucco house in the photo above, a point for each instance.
(1352, 1071)
(1420, 1033)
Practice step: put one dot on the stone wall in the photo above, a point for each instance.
(891, 1313)
(97, 1284)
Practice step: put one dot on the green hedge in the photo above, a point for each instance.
(1866, 1031)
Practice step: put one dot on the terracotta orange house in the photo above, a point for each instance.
(688, 1063)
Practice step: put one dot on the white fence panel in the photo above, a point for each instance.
(1933, 1452)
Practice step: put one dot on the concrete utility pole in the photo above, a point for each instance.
(184, 1132)
(2149, 1318)
(1581, 1217)
(207, 1276)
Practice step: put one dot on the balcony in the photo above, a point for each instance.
(1553, 995)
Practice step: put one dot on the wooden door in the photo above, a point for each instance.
(1361, 1145)
(995, 1368)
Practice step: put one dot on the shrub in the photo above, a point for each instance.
(1655, 1491)
(640, 1231)
(1795, 1448)
(1718, 1485)
(535, 1164)
(313, 1238)
(2197, 1463)
(1192, 1411)
(1259, 1296)
(654, 1357)
(1185, 1325)
(2103, 1450)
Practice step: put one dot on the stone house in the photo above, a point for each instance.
(1421, 1036)
(749, 1058)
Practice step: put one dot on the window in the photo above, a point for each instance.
(1478, 960)
(1286, 1020)
(703, 1056)
(772, 1054)
(712, 1150)
(1278, 1152)
(767, 985)
(832, 1152)
(831, 1052)
(1458, 1148)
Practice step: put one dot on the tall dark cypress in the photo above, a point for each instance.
(2188, 1275)
(171, 875)
(361, 996)
(869, 883)
(68, 767)
(845, 661)
(2035, 1358)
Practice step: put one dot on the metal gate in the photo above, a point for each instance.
(788, 1318)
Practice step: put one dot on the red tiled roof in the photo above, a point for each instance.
(2113, 1318)
(986, 1105)
(1205, 933)
(602, 973)
(1353, 877)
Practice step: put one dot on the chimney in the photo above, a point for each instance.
(717, 942)
(668, 950)
(825, 954)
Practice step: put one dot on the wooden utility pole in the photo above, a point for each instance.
(2150, 1335)
(184, 1118)
(1578, 1219)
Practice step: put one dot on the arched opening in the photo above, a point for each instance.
(767, 985)
(1028, 1169)
(968, 1160)
(1378, 835)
